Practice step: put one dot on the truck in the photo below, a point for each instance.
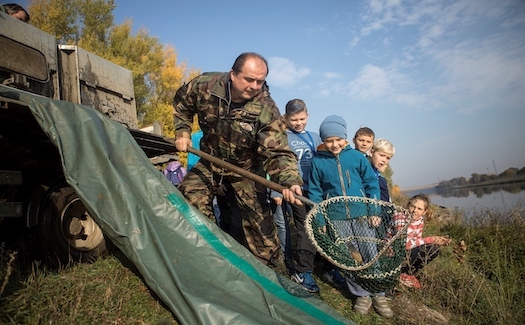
(35, 198)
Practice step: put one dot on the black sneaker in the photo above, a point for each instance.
(335, 278)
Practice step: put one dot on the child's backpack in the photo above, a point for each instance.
(175, 172)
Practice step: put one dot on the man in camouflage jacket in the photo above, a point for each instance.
(241, 125)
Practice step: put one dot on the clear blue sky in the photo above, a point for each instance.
(443, 80)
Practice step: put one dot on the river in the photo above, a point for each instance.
(503, 197)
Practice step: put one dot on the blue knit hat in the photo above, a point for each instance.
(333, 126)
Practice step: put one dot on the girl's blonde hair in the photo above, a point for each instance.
(384, 145)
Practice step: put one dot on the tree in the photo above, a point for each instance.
(142, 54)
(97, 19)
(89, 24)
(387, 174)
(56, 17)
(485, 178)
(475, 178)
(164, 83)
(511, 172)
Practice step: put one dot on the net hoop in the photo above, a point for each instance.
(333, 255)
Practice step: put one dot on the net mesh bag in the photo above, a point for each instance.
(364, 237)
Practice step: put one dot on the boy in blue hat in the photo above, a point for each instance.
(339, 170)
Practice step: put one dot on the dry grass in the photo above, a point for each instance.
(485, 285)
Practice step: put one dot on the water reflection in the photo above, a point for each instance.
(482, 190)
(495, 196)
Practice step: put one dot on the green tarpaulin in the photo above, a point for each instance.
(203, 275)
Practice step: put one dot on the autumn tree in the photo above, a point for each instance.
(96, 20)
(387, 174)
(89, 24)
(140, 53)
(164, 83)
(59, 18)
(74, 20)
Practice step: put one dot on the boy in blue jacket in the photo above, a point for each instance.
(339, 170)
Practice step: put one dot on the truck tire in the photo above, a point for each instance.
(70, 233)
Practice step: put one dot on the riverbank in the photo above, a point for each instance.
(499, 181)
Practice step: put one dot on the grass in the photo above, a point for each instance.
(483, 285)
(106, 292)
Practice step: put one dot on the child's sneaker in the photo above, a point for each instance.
(334, 277)
(381, 306)
(409, 281)
(306, 280)
(362, 305)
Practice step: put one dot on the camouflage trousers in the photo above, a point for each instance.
(200, 186)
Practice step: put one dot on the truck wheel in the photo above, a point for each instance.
(71, 235)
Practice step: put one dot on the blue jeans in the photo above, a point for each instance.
(357, 228)
(283, 230)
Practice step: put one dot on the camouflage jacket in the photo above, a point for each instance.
(252, 137)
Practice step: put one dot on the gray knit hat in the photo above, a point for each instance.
(333, 126)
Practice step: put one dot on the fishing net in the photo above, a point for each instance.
(364, 237)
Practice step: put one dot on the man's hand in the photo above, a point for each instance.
(289, 194)
(182, 143)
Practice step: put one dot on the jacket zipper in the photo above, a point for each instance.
(341, 176)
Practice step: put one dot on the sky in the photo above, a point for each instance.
(443, 80)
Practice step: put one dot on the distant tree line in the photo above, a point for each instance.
(510, 174)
